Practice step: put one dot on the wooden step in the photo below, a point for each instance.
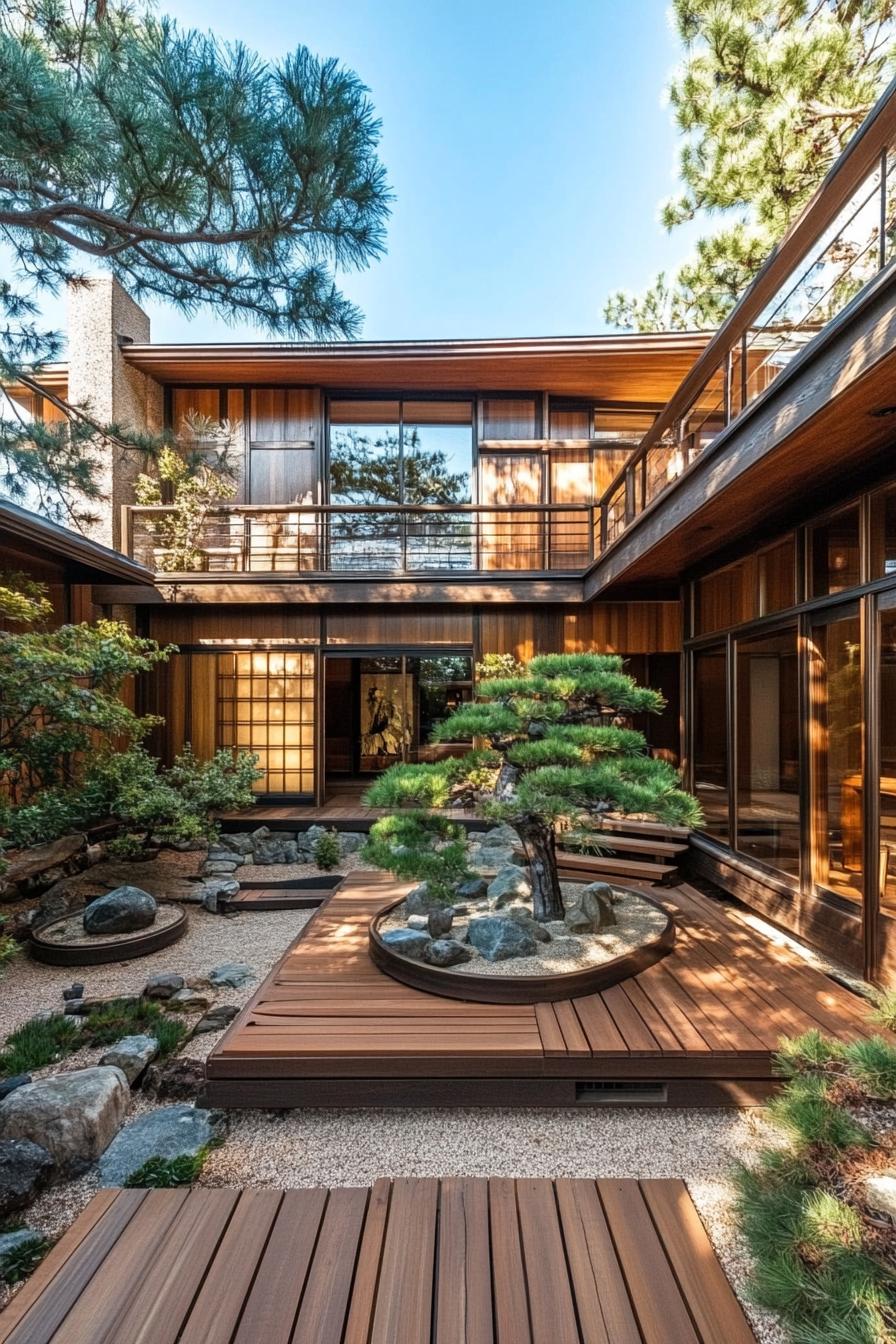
(632, 826)
(277, 898)
(611, 842)
(650, 872)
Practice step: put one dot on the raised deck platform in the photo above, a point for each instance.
(404, 1262)
(327, 1028)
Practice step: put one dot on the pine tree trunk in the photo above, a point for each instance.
(538, 842)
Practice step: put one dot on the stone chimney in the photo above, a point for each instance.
(102, 319)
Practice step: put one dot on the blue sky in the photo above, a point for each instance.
(527, 143)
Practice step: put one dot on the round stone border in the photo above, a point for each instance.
(123, 949)
(518, 989)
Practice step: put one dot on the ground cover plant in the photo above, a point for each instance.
(44, 1041)
(824, 1254)
(554, 752)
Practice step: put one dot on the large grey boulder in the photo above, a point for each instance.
(592, 910)
(277, 848)
(446, 952)
(472, 890)
(10, 1084)
(124, 910)
(25, 1170)
(498, 938)
(132, 1054)
(520, 915)
(174, 1131)
(219, 867)
(73, 1115)
(241, 843)
(504, 835)
(509, 886)
(351, 841)
(407, 942)
(306, 841)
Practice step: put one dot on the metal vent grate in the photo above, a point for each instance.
(621, 1092)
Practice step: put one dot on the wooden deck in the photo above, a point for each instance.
(327, 1028)
(404, 1262)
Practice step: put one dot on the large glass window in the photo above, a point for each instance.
(887, 782)
(883, 533)
(768, 804)
(835, 741)
(710, 738)
(834, 553)
(266, 705)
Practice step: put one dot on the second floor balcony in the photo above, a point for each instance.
(365, 539)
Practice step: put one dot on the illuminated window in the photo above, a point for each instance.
(266, 706)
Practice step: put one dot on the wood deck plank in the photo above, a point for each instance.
(273, 1300)
(463, 1301)
(605, 1311)
(217, 1308)
(328, 1287)
(511, 1300)
(403, 1312)
(551, 1304)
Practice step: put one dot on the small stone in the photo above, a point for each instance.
(124, 910)
(407, 942)
(175, 1080)
(438, 922)
(231, 975)
(81, 1007)
(446, 952)
(880, 1193)
(418, 922)
(75, 991)
(509, 886)
(593, 909)
(173, 1131)
(188, 1000)
(217, 1018)
(473, 889)
(219, 868)
(73, 1115)
(498, 938)
(10, 1084)
(163, 986)
(241, 843)
(419, 902)
(132, 1054)
(25, 1170)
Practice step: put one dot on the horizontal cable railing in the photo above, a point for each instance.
(845, 237)
(363, 539)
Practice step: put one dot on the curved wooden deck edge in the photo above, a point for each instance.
(519, 989)
(56, 954)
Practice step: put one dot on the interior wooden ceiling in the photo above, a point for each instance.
(623, 367)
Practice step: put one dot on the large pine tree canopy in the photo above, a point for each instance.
(192, 170)
(769, 93)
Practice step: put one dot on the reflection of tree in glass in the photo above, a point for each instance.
(366, 469)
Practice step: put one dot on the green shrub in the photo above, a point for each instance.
(9, 948)
(37, 1043)
(804, 1109)
(420, 846)
(326, 851)
(164, 1173)
(872, 1064)
(23, 1259)
(884, 1011)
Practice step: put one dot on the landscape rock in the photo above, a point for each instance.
(472, 890)
(75, 991)
(276, 850)
(73, 1115)
(879, 1191)
(132, 1054)
(231, 975)
(407, 942)
(163, 986)
(123, 910)
(593, 910)
(509, 886)
(438, 922)
(520, 915)
(175, 1079)
(306, 840)
(418, 922)
(173, 1131)
(215, 891)
(219, 868)
(498, 938)
(188, 1000)
(446, 952)
(81, 1007)
(60, 899)
(25, 1170)
(217, 1018)
(10, 1084)
(241, 843)
(419, 902)
(351, 841)
(503, 834)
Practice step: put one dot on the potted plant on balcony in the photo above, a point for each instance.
(560, 752)
(194, 476)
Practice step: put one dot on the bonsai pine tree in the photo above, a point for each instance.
(559, 752)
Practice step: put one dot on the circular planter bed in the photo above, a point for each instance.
(63, 941)
(539, 986)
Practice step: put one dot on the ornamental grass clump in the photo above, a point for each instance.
(555, 751)
(824, 1257)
